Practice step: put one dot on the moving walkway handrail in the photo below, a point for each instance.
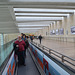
(56, 53)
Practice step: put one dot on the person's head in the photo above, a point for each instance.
(24, 36)
(19, 37)
(21, 34)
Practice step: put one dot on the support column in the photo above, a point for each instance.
(55, 25)
(49, 28)
(41, 32)
(52, 26)
(70, 23)
(59, 24)
(45, 31)
(64, 25)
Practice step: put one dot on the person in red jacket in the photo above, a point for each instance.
(21, 47)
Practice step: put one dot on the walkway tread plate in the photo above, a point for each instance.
(29, 69)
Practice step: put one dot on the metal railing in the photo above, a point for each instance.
(63, 58)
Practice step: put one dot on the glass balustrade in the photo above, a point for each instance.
(5, 50)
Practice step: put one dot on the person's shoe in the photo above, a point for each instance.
(25, 56)
(24, 64)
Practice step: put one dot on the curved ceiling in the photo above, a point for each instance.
(30, 16)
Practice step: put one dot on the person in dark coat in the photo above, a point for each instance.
(26, 41)
(21, 35)
(31, 38)
(40, 38)
(21, 47)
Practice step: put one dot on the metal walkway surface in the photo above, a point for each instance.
(29, 69)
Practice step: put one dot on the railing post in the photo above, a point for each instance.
(74, 41)
(62, 58)
(36, 43)
(49, 51)
(43, 47)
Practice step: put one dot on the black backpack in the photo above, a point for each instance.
(16, 49)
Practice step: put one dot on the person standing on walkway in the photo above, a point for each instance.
(21, 47)
(27, 43)
(21, 35)
(40, 38)
(25, 40)
(31, 38)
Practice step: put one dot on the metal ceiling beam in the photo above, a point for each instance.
(44, 12)
(8, 27)
(9, 31)
(51, 5)
(47, 2)
(46, 7)
(40, 16)
(40, 6)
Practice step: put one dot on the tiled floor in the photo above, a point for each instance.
(65, 48)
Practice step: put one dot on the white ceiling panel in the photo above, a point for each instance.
(37, 18)
(32, 15)
(30, 25)
(42, 10)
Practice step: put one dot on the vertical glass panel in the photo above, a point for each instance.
(5, 50)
